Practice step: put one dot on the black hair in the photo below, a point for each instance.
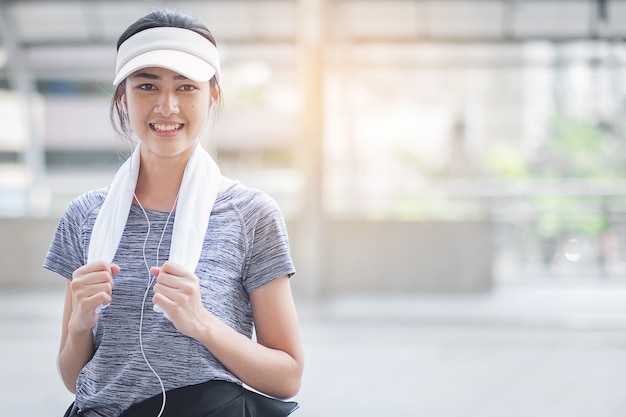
(155, 19)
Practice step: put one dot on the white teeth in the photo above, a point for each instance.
(165, 128)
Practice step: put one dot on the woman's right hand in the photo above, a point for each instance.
(91, 286)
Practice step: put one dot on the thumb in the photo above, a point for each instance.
(115, 269)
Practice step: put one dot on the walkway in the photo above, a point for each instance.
(548, 351)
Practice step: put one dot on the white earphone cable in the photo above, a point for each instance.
(151, 281)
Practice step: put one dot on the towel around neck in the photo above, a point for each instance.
(197, 194)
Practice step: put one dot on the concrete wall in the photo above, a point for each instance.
(23, 246)
(401, 256)
(359, 256)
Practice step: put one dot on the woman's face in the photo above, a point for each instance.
(166, 110)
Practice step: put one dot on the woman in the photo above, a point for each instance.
(170, 268)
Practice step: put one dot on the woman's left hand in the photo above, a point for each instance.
(177, 292)
(272, 363)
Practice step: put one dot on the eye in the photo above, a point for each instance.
(188, 87)
(146, 87)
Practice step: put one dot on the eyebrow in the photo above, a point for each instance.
(150, 76)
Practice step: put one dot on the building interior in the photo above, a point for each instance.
(452, 173)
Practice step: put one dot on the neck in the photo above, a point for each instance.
(159, 181)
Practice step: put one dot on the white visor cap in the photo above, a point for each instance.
(180, 50)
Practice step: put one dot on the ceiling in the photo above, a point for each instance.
(74, 39)
(70, 42)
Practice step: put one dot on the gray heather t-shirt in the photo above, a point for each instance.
(245, 247)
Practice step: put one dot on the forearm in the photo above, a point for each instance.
(271, 371)
(77, 350)
(273, 364)
(90, 286)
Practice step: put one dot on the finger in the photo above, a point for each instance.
(176, 295)
(163, 300)
(167, 278)
(95, 272)
(174, 268)
(164, 305)
(176, 286)
(92, 282)
(84, 287)
(165, 290)
(115, 269)
(98, 299)
(92, 267)
(88, 304)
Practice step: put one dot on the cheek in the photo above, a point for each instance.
(202, 119)
(136, 117)
(139, 108)
(201, 112)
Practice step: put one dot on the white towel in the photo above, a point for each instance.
(197, 194)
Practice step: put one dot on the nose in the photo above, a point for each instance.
(167, 103)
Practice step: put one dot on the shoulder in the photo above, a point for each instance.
(88, 200)
(249, 199)
(67, 250)
(251, 203)
(85, 204)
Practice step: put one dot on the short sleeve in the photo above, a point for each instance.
(67, 249)
(268, 251)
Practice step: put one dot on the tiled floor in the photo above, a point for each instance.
(548, 351)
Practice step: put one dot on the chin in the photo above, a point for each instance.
(169, 147)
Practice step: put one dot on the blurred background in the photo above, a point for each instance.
(452, 172)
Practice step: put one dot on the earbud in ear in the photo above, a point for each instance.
(123, 104)
(212, 106)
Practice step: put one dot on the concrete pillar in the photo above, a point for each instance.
(22, 81)
(311, 224)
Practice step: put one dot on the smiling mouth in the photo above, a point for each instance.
(166, 128)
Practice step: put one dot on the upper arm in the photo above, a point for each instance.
(275, 318)
(67, 313)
